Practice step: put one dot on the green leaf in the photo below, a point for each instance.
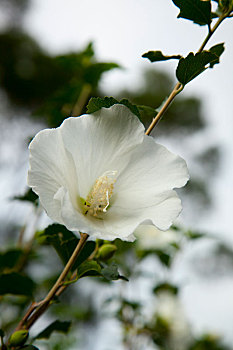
(217, 50)
(29, 196)
(89, 268)
(64, 242)
(96, 103)
(29, 347)
(155, 56)
(198, 11)
(93, 73)
(166, 287)
(111, 273)
(164, 257)
(15, 283)
(193, 65)
(10, 258)
(56, 326)
(194, 235)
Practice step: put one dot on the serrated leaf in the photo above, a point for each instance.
(193, 65)
(111, 273)
(56, 326)
(10, 258)
(198, 11)
(96, 103)
(217, 50)
(89, 268)
(15, 283)
(29, 196)
(155, 56)
(64, 242)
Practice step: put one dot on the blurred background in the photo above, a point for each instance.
(55, 56)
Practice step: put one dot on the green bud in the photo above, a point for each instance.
(107, 251)
(18, 338)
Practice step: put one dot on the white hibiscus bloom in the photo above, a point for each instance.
(100, 174)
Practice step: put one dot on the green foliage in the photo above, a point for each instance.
(225, 5)
(9, 259)
(111, 273)
(194, 235)
(15, 283)
(184, 115)
(217, 50)
(29, 347)
(155, 56)
(198, 11)
(193, 65)
(28, 196)
(166, 287)
(89, 268)
(56, 326)
(64, 242)
(48, 86)
(208, 342)
(96, 103)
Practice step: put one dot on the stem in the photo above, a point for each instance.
(79, 105)
(37, 309)
(179, 87)
(211, 31)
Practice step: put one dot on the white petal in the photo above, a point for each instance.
(96, 228)
(51, 169)
(143, 189)
(101, 142)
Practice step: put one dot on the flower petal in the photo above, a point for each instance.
(101, 142)
(51, 169)
(144, 187)
(75, 221)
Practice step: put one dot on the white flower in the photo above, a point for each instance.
(100, 174)
(149, 237)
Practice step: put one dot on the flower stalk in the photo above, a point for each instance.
(37, 309)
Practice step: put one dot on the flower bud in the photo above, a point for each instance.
(18, 338)
(107, 251)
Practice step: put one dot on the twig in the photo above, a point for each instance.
(37, 309)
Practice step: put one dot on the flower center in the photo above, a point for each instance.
(98, 199)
